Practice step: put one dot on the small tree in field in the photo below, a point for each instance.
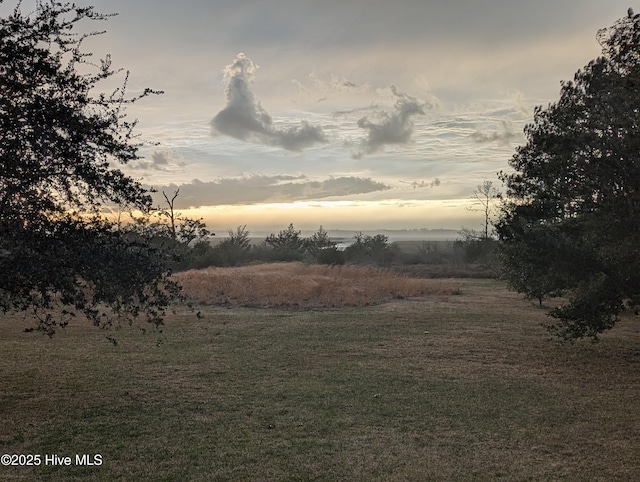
(60, 145)
(287, 245)
(480, 246)
(323, 250)
(369, 249)
(571, 223)
(235, 249)
(486, 195)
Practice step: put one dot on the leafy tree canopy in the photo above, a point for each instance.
(61, 143)
(571, 223)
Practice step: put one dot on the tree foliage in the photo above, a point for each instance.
(179, 228)
(323, 249)
(571, 224)
(60, 145)
(287, 245)
(369, 249)
(233, 250)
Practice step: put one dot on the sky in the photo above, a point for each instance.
(350, 114)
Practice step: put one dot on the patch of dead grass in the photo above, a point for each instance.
(288, 285)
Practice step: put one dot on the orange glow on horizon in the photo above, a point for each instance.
(355, 215)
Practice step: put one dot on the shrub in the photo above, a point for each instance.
(235, 249)
(330, 255)
(369, 249)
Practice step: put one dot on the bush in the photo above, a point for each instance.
(476, 247)
(234, 250)
(331, 255)
(203, 255)
(369, 249)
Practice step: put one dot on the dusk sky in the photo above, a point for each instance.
(347, 114)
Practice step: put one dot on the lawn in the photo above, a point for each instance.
(459, 385)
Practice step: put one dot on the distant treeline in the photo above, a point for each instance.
(239, 248)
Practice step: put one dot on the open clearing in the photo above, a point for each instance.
(434, 387)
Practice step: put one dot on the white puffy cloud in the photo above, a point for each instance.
(244, 117)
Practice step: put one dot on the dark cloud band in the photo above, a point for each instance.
(264, 189)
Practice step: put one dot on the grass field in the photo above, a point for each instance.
(438, 386)
(299, 285)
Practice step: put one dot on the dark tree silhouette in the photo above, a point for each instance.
(571, 224)
(60, 145)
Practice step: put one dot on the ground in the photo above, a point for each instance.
(461, 386)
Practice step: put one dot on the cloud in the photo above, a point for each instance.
(244, 117)
(504, 135)
(253, 189)
(330, 88)
(335, 84)
(372, 106)
(390, 128)
(160, 161)
(423, 184)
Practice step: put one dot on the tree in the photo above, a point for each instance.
(182, 240)
(287, 245)
(571, 223)
(170, 213)
(323, 249)
(235, 248)
(367, 248)
(60, 145)
(181, 229)
(240, 238)
(481, 246)
(318, 241)
(486, 195)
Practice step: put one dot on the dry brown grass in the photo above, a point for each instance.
(307, 286)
